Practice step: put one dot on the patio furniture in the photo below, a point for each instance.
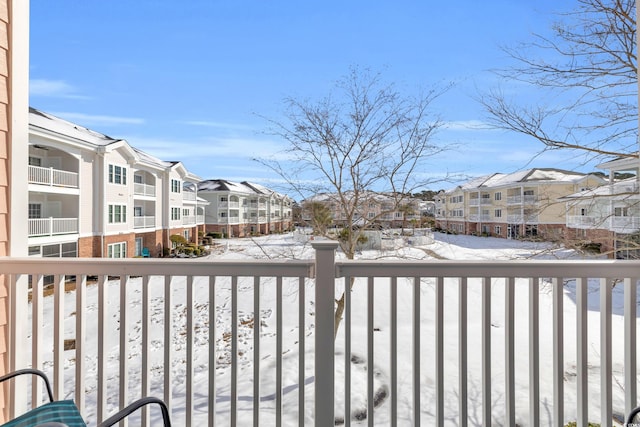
(145, 253)
(633, 419)
(65, 413)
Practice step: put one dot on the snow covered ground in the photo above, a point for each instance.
(290, 246)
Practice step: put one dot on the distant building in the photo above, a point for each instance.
(238, 209)
(521, 204)
(91, 195)
(609, 216)
(371, 209)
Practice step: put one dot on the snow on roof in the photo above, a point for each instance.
(148, 158)
(55, 124)
(627, 187)
(223, 185)
(528, 175)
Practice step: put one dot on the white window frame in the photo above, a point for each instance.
(176, 186)
(117, 174)
(119, 249)
(114, 217)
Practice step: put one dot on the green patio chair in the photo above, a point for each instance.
(65, 413)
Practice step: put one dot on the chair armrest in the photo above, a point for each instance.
(630, 418)
(31, 372)
(122, 414)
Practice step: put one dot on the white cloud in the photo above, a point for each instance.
(53, 88)
(92, 120)
(463, 125)
(217, 125)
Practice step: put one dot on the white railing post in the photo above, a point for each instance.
(324, 352)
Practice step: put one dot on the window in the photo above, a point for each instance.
(117, 250)
(621, 211)
(371, 215)
(185, 212)
(398, 215)
(175, 186)
(528, 192)
(497, 229)
(137, 179)
(35, 210)
(223, 198)
(497, 213)
(117, 175)
(497, 196)
(117, 214)
(35, 161)
(175, 214)
(222, 214)
(137, 211)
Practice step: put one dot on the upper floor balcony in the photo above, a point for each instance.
(52, 177)
(147, 190)
(522, 199)
(44, 227)
(251, 342)
(144, 221)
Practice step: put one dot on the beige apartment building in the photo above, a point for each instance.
(520, 204)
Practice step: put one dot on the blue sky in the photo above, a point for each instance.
(190, 80)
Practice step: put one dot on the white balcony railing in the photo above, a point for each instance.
(189, 220)
(189, 196)
(144, 221)
(52, 177)
(39, 227)
(185, 329)
(147, 190)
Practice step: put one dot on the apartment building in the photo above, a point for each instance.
(238, 209)
(609, 216)
(520, 204)
(371, 209)
(91, 195)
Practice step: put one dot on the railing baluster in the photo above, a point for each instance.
(509, 365)
(37, 302)
(58, 337)
(630, 343)
(534, 351)
(462, 351)
(606, 410)
(103, 318)
(347, 351)
(486, 351)
(234, 351)
(212, 351)
(416, 351)
(168, 342)
(279, 313)
(393, 305)
(302, 309)
(558, 353)
(582, 335)
(189, 353)
(81, 314)
(124, 346)
(146, 343)
(370, 354)
(257, 325)
(439, 350)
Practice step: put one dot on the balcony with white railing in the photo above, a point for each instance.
(52, 177)
(41, 227)
(144, 221)
(146, 190)
(420, 343)
(188, 196)
(189, 220)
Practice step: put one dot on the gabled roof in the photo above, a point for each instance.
(47, 122)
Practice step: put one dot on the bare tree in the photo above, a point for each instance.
(585, 79)
(361, 139)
